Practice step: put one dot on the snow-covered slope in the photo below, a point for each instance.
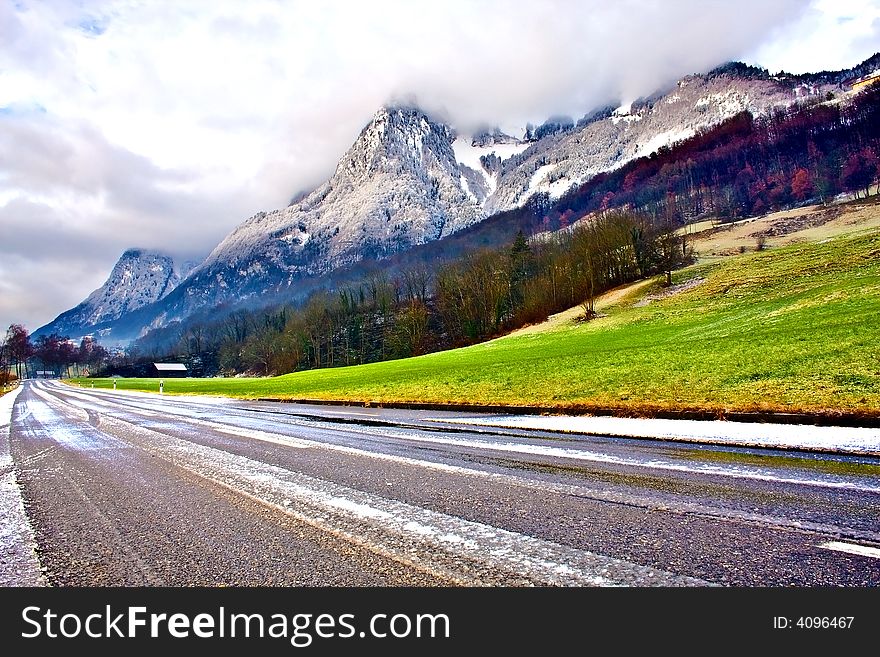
(480, 158)
(397, 186)
(557, 162)
(502, 172)
(138, 279)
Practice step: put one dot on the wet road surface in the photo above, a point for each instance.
(126, 488)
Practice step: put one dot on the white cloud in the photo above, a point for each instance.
(167, 124)
(830, 35)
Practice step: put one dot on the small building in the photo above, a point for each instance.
(171, 370)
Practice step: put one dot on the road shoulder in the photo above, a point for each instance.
(19, 565)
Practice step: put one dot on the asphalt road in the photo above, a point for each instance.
(134, 489)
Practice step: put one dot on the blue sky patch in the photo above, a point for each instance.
(93, 26)
(22, 109)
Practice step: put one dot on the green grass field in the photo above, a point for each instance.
(792, 329)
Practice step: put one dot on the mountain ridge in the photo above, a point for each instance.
(408, 179)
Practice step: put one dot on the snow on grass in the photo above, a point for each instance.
(666, 138)
(18, 559)
(847, 440)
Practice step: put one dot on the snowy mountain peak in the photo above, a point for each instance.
(140, 277)
(397, 186)
(395, 133)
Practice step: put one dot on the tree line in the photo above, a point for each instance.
(481, 295)
(21, 357)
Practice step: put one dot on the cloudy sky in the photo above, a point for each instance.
(165, 124)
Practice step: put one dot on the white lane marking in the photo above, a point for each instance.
(19, 565)
(368, 415)
(264, 436)
(428, 539)
(302, 443)
(852, 548)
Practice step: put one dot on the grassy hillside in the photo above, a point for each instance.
(795, 328)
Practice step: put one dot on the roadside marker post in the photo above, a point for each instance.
(161, 386)
(114, 384)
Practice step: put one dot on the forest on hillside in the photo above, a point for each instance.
(483, 294)
(746, 166)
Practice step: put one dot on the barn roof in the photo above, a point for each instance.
(170, 367)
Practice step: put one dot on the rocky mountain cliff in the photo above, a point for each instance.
(139, 278)
(397, 186)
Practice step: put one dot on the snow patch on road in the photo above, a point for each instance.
(54, 415)
(19, 565)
